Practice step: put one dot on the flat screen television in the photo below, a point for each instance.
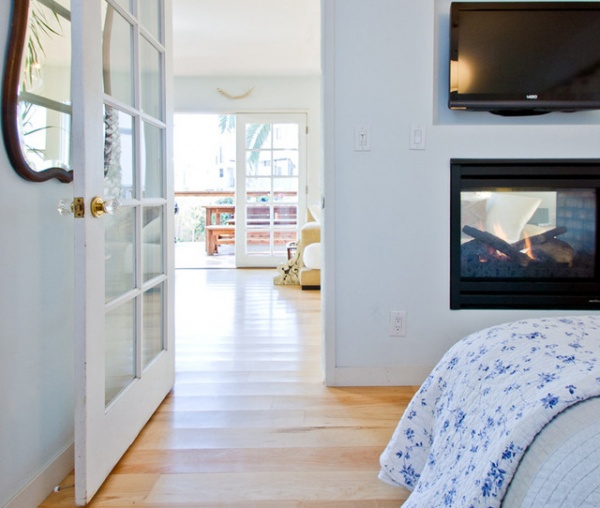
(519, 58)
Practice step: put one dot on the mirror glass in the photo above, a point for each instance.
(45, 94)
(37, 90)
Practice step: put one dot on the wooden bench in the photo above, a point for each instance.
(218, 235)
(225, 235)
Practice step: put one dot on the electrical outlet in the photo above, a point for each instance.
(398, 323)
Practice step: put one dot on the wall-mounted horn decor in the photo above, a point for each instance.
(36, 95)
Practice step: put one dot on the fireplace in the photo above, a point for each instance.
(524, 234)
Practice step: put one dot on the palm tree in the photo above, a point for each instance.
(256, 135)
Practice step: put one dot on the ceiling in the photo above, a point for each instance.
(247, 38)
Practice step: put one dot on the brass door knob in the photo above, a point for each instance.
(99, 207)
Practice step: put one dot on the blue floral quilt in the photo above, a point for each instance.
(463, 434)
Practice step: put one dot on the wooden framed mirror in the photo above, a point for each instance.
(36, 94)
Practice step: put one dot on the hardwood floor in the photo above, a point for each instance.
(249, 422)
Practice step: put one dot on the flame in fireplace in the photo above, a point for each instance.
(528, 250)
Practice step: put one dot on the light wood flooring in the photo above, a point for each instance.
(249, 422)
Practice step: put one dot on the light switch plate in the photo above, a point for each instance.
(362, 138)
(417, 137)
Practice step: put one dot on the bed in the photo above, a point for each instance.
(509, 417)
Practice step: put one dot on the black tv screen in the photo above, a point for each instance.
(524, 57)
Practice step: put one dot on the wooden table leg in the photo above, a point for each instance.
(211, 242)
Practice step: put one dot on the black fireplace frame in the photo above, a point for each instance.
(504, 293)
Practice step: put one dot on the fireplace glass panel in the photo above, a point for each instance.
(523, 233)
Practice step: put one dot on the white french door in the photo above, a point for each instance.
(270, 186)
(124, 270)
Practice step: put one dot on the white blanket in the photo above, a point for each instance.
(461, 438)
(561, 468)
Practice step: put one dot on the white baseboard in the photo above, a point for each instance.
(42, 485)
(412, 375)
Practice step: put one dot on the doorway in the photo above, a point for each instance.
(240, 184)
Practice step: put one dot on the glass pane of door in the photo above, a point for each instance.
(153, 319)
(125, 4)
(150, 17)
(150, 79)
(152, 243)
(119, 350)
(153, 161)
(119, 258)
(118, 56)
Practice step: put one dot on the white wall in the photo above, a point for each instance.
(36, 335)
(270, 94)
(386, 219)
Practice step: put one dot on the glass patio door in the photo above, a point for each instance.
(123, 244)
(270, 186)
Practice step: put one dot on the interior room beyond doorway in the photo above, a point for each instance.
(204, 174)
